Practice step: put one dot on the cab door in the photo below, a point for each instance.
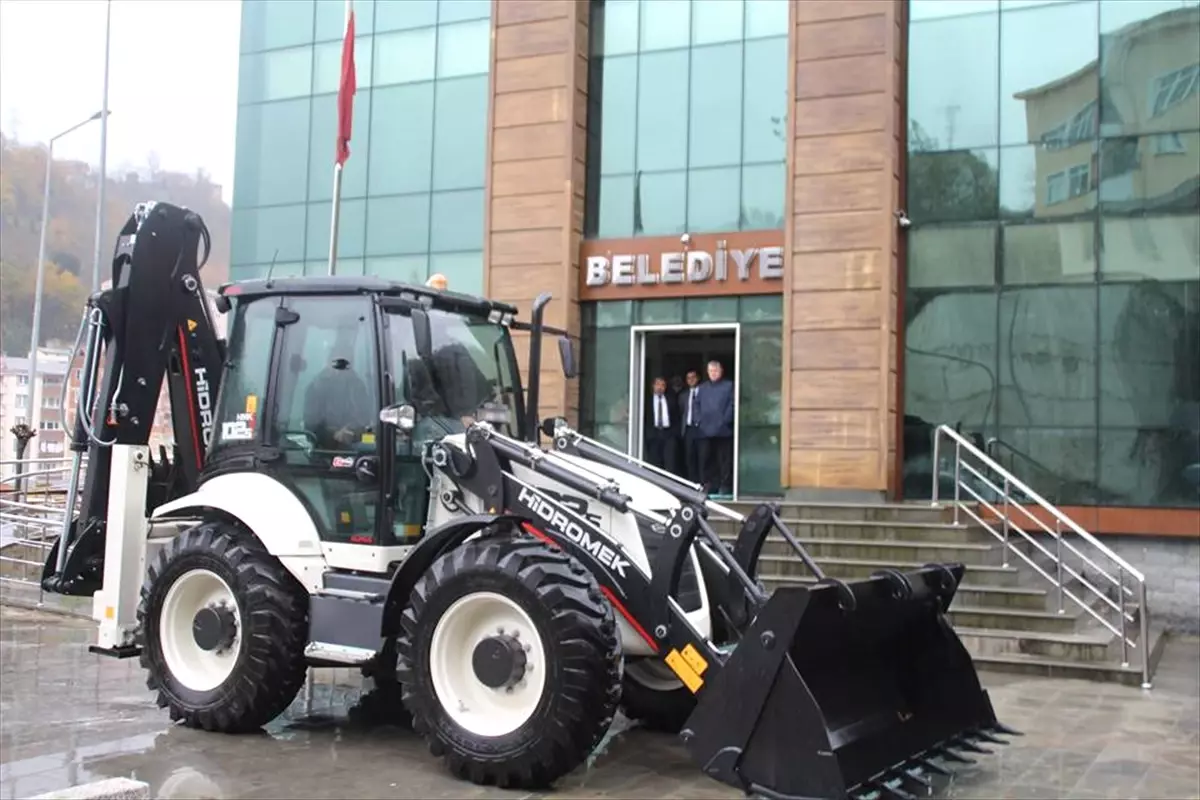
(323, 423)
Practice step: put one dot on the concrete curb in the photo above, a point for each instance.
(28, 605)
(107, 789)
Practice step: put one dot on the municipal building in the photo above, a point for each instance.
(881, 216)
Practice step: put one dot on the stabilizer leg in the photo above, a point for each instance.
(115, 605)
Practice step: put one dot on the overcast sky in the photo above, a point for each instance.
(172, 80)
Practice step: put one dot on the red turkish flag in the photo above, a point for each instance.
(346, 91)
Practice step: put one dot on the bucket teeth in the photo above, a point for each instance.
(984, 736)
(964, 743)
(950, 755)
(931, 767)
(1000, 727)
(917, 782)
(886, 790)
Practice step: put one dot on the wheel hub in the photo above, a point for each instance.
(499, 661)
(214, 628)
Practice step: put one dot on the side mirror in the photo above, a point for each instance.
(550, 426)
(402, 417)
(422, 333)
(566, 351)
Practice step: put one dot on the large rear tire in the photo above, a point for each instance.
(510, 662)
(222, 629)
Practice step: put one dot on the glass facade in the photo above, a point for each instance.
(1053, 300)
(686, 117)
(604, 388)
(412, 190)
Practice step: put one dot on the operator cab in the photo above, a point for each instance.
(334, 385)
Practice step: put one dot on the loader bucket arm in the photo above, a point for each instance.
(841, 689)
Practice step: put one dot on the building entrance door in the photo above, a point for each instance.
(670, 352)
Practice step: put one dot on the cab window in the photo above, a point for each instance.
(245, 379)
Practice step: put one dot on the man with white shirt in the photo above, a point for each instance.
(662, 428)
(689, 418)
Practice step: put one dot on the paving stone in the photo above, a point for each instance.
(68, 717)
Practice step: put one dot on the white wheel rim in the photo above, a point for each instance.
(474, 705)
(653, 674)
(196, 668)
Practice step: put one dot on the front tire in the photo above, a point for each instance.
(222, 630)
(510, 662)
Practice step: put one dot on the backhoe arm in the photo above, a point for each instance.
(152, 324)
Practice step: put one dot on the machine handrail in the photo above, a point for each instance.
(1063, 572)
(1046, 505)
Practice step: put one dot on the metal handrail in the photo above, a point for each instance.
(1061, 521)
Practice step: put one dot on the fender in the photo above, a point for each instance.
(441, 539)
(269, 509)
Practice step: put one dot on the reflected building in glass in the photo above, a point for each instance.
(876, 217)
(1053, 295)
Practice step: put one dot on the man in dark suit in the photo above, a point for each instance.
(689, 419)
(662, 428)
(716, 430)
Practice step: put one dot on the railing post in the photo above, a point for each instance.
(1006, 514)
(1121, 611)
(1144, 619)
(1058, 558)
(957, 472)
(937, 439)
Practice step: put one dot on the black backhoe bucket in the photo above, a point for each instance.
(845, 690)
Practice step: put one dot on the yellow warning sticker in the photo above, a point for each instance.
(696, 661)
(345, 517)
(368, 438)
(683, 669)
(251, 403)
(191, 325)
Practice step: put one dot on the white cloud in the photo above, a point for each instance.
(172, 80)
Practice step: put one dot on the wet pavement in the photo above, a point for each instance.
(68, 717)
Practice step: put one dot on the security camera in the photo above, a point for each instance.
(686, 239)
(902, 219)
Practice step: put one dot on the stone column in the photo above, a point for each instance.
(536, 150)
(841, 291)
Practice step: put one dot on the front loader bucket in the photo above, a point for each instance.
(844, 689)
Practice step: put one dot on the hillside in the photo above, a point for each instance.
(70, 237)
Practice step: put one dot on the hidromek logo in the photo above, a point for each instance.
(204, 401)
(573, 530)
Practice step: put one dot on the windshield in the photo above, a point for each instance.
(471, 366)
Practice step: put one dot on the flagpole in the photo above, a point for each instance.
(335, 215)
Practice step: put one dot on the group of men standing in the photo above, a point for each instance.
(689, 429)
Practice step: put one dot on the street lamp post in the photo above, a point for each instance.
(103, 155)
(36, 334)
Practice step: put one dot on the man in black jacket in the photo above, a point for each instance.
(716, 430)
(689, 421)
(662, 428)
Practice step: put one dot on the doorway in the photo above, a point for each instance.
(670, 351)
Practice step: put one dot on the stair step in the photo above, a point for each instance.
(1108, 671)
(889, 550)
(1000, 642)
(914, 512)
(971, 594)
(857, 568)
(993, 618)
(866, 529)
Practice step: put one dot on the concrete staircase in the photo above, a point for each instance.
(1007, 616)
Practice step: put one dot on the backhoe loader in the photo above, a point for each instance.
(358, 478)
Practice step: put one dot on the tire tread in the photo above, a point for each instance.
(274, 613)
